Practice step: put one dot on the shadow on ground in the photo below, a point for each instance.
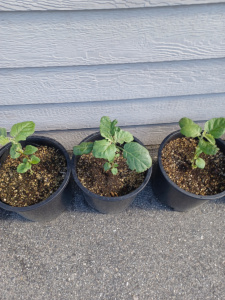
(146, 200)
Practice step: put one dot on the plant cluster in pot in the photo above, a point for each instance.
(111, 167)
(191, 165)
(34, 174)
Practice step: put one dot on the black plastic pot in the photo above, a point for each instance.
(107, 205)
(169, 193)
(54, 205)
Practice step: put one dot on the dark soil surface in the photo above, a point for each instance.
(91, 174)
(30, 188)
(176, 160)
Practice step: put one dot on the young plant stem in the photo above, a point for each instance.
(196, 155)
(120, 148)
(28, 159)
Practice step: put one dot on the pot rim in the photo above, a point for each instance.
(61, 187)
(175, 135)
(104, 198)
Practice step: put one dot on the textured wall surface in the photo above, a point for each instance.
(24, 5)
(64, 64)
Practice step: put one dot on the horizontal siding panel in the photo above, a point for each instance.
(111, 82)
(37, 39)
(128, 113)
(15, 5)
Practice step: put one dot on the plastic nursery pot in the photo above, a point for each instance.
(169, 193)
(54, 205)
(107, 205)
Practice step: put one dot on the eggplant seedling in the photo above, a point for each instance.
(213, 129)
(19, 132)
(116, 141)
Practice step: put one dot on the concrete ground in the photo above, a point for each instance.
(145, 253)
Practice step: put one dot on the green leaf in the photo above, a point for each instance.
(210, 138)
(191, 130)
(25, 160)
(123, 137)
(3, 137)
(198, 151)
(200, 163)
(30, 150)
(34, 160)
(114, 171)
(107, 128)
(3, 132)
(115, 165)
(104, 149)
(4, 140)
(186, 122)
(107, 166)
(207, 148)
(137, 156)
(83, 148)
(113, 127)
(13, 150)
(216, 127)
(21, 131)
(24, 167)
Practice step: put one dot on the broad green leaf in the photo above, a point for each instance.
(114, 171)
(115, 165)
(114, 128)
(192, 130)
(106, 128)
(3, 132)
(107, 166)
(21, 131)
(207, 148)
(24, 167)
(83, 148)
(30, 150)
(137, 156)
(25, 160)
(123, 137)
(3, 137)
(4, 140)
(104, 149)
(210, 138)
(13, 150)
(216, 127)
(186, 122)
(200, 163)
(189, 128)
(34, 160)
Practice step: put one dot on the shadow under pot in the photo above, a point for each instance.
(107, 205)
(55, 204)
(170, 194)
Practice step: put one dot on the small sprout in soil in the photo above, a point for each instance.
(20, 132)
(213, 129)
(137, 156)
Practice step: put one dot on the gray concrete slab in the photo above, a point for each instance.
(147, 252)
